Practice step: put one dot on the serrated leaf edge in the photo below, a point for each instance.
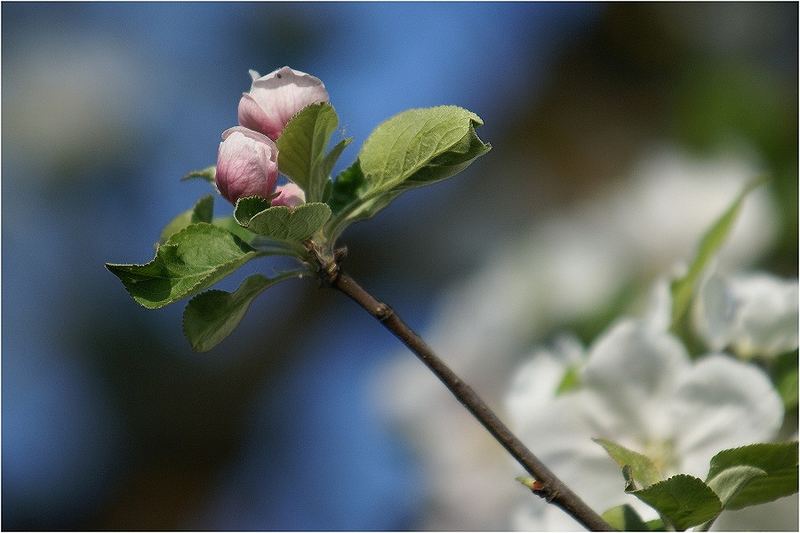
(290, 213)
(248, 198)
(776, 445)
(683, 476)
(251, 254)
(472, 117)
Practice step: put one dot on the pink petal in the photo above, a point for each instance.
(253, 117)
(246, 165)
(289, 195)
(280, 95)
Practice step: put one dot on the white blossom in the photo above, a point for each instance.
(640, 389)
(754, 314)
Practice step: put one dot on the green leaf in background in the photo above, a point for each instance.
(784, 376)
(683, 500)
(655, 525)
(302, 145)
(683, 288)
(281, 222)
(642, 468)
(189, 261)
(570, 381)
(624, 518)
(211, 316)
(203, 211)
(208, 174)
(777, 460)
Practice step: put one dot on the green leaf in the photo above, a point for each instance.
(259, 242)
(211, 316)
(784, 376)
(630, 483)
(346, 187)
(203, 211)
(302, 145)
(642, 468)
(421, 145)
(655, 525)
(683, 288)
(333, 156)
(778, 460)
(788, 388)
(281, 222)
(570, 381)
(230, 224)
(248, 207)
(683, 500)
(624, 518)
(730, 481)
(208, 174)
(189, 261)
(415, 148)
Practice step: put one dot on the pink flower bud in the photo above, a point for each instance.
(247, 164)
(275, 98)
(289, 195)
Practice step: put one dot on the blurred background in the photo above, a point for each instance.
(109, 421)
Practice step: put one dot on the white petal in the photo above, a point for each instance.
(535, 382)
(289, 195)
(256, 136)
(659, 311)
(722, 403)
(767, 314)
(714, 312)
(285, 91)
(558, 434)
(756, 314)
(632, 372)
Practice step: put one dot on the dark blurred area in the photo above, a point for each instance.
(109, 421)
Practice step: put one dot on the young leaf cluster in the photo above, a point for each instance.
(737, 478)
(412, 149)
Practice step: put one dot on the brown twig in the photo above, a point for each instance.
(548, 486)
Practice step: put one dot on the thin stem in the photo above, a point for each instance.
(548, 486)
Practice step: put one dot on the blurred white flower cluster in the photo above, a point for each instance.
(78, 100)
(639, 388)
(565, 270)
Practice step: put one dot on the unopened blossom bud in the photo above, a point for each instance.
(247, 164)
(289, 195)
(275, 98)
